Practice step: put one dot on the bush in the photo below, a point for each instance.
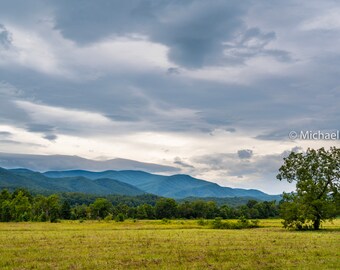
(108, 217)
(165, 220)
(120, 218)
(242, 223)
(55, 220)
(202, 222)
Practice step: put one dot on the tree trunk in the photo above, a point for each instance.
(316, 224)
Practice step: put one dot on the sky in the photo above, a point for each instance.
(212, 88)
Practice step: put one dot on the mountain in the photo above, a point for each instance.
(175, 186)
(64, 162)
(10, 180)
(126, 182)
(39, 182)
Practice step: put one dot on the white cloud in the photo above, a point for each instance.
(59, 116)
(31, 50)
(329, 20)
(45, 50)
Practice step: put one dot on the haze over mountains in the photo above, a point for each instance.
(64, 162)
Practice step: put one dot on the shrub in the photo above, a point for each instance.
(108, 217)
(242, 223)
(165, 220)
(202, 222)
(120, 218)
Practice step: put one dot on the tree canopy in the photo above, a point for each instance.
(23, 206)
(316, 174)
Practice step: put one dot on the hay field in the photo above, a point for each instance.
(180, 244)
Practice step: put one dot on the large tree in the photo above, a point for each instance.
(316, 174)
(166, 208)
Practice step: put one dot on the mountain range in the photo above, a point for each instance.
(124, 182)
(35, 181)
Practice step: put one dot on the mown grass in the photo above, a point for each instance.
(160, 245)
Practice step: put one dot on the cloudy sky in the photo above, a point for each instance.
(210, 87)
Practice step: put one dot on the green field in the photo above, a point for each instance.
(158, 245)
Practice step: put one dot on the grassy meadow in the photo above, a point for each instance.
(178, 244)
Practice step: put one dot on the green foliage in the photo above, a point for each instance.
(80, 212)
(20, 207)
(65, 211)
(202, 222)
(316, 174)
(100, 208)
(242, 223)
(53, 206)
(131, 201)
(165, 221)
(23, 206)
(5, 211)
(145, 211)
(166, 208)
(46, 208)
(109, 217)
(119, 218)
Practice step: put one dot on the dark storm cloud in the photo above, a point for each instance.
(50, 137)
(142, 98)
(5, 38)
(194, 31)
(252, 43)
(24, 11)
(173, 71)
(245, 153)
(178, 25)
(47, 130)
(9, 113)
(40, 128)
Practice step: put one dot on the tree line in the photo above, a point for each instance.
(21, 205)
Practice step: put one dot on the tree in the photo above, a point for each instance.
(79, 211)
(5, 211)
(5, 205)
(316, 174)
(20, 207)
(5, 195)
(145, 211)
(100, 208)
(65, 211)
(53, 206)
(166, 208)
(40, 208)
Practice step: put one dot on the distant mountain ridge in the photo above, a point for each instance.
(174, 186)
(126, 182)
(23, 178)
